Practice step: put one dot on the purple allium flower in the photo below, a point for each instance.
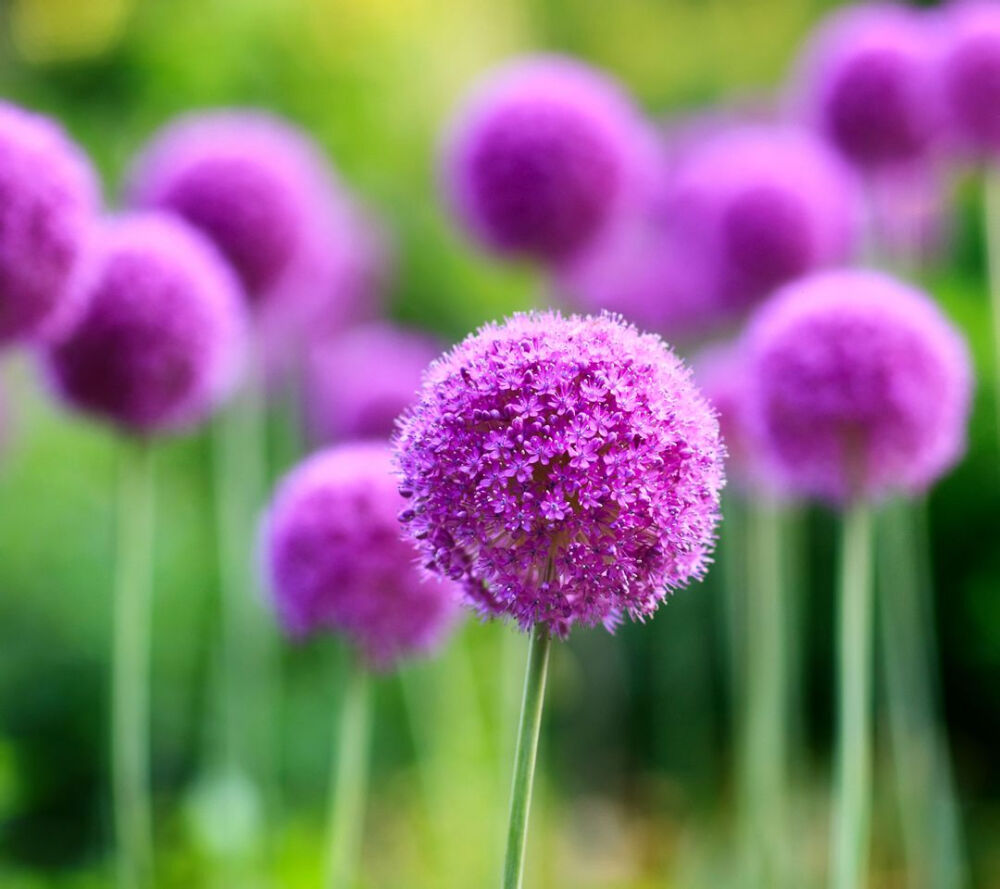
(48, 196)
(358, 383)
(857, 386)
(720, 370)
(163, 335)
(867, 82)
(260, 190)
(562, 469)
(760, 206)
(336, 559)
(541, 156)
(970, 74)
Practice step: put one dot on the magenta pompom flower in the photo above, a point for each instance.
(260, 190)
(970, 75)
(48, 196)
(563, 470)
(359, 382)
(858, 386)
(336, 559)
(867, 82)
(162, 337)
(760, 206)
(541, 156)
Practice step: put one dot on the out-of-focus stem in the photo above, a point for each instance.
(525, 756)
(852, 802)
(349, 781)
(927, 803)
(766, 741)
(991, 195)
(130, 666)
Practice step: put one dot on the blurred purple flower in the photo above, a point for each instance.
(48, 197)
(541, 155)
(619, 460)
(759, 206)
(970, 75)
(163, 335)
(336, 560)
(866, 80)
(263, 192)
(857, 386)
(359, 382)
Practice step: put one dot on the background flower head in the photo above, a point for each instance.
(857, 386)
(49, 195)
(336, 561)
(163, 335)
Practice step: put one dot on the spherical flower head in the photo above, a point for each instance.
(563, 470)
(762, 205)
(720, 370)
(540, 157)
(970, 75)
(336, 560)
(358, 383)
(48, 196)
(644, 267)
(858, 387)
(259, 189)
(867, 81)
(163, 335)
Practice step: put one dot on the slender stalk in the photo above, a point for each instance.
(247, 657)
(927, 804)
(525, 756)
(852, 804)
(130, 667)
(991, 189)
(767, 700)
(350, 781)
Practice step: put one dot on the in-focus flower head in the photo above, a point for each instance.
(761, 205)
(564, 470)
(163, 334)
(48, 197)
(541, 155)
(858, 386)
(970, 74)
(358, 383)
(259, 189)
(867, 81)
(336, 560)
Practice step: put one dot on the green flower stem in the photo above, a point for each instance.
(852, 803)
(991, 195)
(766, 742)
(130, 666)
(927, 801)
(247, 666)
(525, 755)
(349, 781)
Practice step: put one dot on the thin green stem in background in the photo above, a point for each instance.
(130, 666)
(767, 704)
(349, 785)
(248, 659)
(928, 805)
(852, 802)
(525, 755)
(991, 195)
